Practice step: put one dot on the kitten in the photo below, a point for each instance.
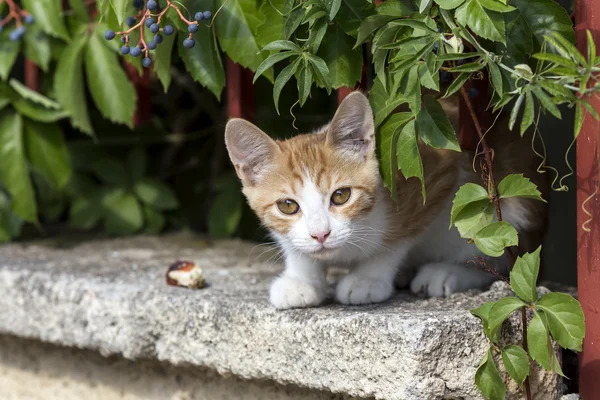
(322, 198)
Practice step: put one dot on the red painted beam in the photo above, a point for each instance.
(587, 16)
(241, 99)
(32, 76)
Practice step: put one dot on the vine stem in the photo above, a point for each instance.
(493, 193)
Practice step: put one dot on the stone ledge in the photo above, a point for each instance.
(111, 296)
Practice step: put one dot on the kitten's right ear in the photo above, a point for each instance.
(251, 150)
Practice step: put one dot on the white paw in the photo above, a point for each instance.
(358, 289)
(436, 280)
(291, 293)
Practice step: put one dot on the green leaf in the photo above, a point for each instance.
(48, 15)
(9, 50)
(38, 113)
(409, 159)
(304, 84)
(114, 94)
(555, 59)
(516, 185)
(271, 28)
(411, 89)
(492, 239)
(284, 76)
(519, 40)
(10, 224)
(457, 84)
(565, 319)
(282, 45)
(449, 4)
(162, 59)
(204, 63)
(516, 362)
(32, 95)
(293, 21)
(72, 96)
(320, 70)
(523, 277)
(485, 23)
(352, 13)
(546, 102)
(270, 61)
(86, 210)
(47, 152)
(496, 78)
(469, 67)
(136, 163)
(13, 166)
(500, 311)
(225, 214)
(496, 5)
(578, 119)
(122, 212)
(382, 103)
(423, 5)
(427, 79)
(154, 221)
(36, 47)
(109, 170)
(515, 111)
(528, 114)
(156, 194)
(467, 194)
(236, 25)
(540, 346)
(388, 139)
(370, 25)
(120, 9)
(474, 217)
(344, 62)
(483, 312)
(488, 379)
(434, 127)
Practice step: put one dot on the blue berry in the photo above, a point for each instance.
(17, 34)
(436, 47)
(136, 51)
(138, 4)
(28, 19)
(473, 92)
(154, 28)
(151, 5)
(149, 22)
(168, 30)
(193, 28)
(147, 62)
(158, 39)
(125, 49)
(207, 14)
(109, 35)
(199, 16)
(189, 43)
(151, 45)
(130, 21)
(123, 40)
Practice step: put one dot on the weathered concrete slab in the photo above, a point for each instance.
(111, 296)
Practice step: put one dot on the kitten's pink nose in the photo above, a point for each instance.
(321, 237)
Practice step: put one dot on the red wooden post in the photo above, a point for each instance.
(587, 16)
(32, 76)
(143, 109)
(241, 100)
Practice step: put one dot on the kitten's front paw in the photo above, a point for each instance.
(358, 289)
(435, 280)
(291, 293)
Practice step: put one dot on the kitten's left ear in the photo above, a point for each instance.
(352, 128)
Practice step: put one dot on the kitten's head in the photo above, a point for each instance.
(313, 190)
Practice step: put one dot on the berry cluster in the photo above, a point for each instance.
(20, 16)
(150, 18)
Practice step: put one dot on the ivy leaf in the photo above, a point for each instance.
(48, 15)
(528, 114)
(516, 185)
(449, 4)
(293, 21)
(304, 84)
(47, 152)
(488, 379)
(411, 89)
(320, 70)
(110, 171)
(13, 166)
(496, 78)
(204, 63)
(370, 25)
(483, 313)
(500, 311)
(523, 277)
(9, 50)
(352, 13)
(492, 239)
(10, 224)
(86, 210)
(516, 362)
(409, 159)
(32, 95)
(156, 194)
(540, 346)
(344, 62)
(226, 212)
(382, 103)
(495, 5)
(36, 47)
(114, 95)
(154, 221)
(72, 96)
(474, 217)
(388, 139)
(270, 61)
(515, 111)
(565, 319)
(519, 39)
(271, 29)
(122, 212)
(120, 9)
(467, 194)
(457, 84)
(578, 122)
(485, 23)
(137, 162)
(284, 76)
(434, 127)
(38, 113)
(236, 25)
(162, 58)
(546, 102)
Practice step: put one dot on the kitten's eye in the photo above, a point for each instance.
(340, 196)
(288, 206)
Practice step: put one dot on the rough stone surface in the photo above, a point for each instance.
(111, 296)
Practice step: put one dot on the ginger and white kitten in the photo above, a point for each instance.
(322, 198)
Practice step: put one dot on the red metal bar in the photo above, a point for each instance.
(32, 76)
(587, 16)
(241, 99)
